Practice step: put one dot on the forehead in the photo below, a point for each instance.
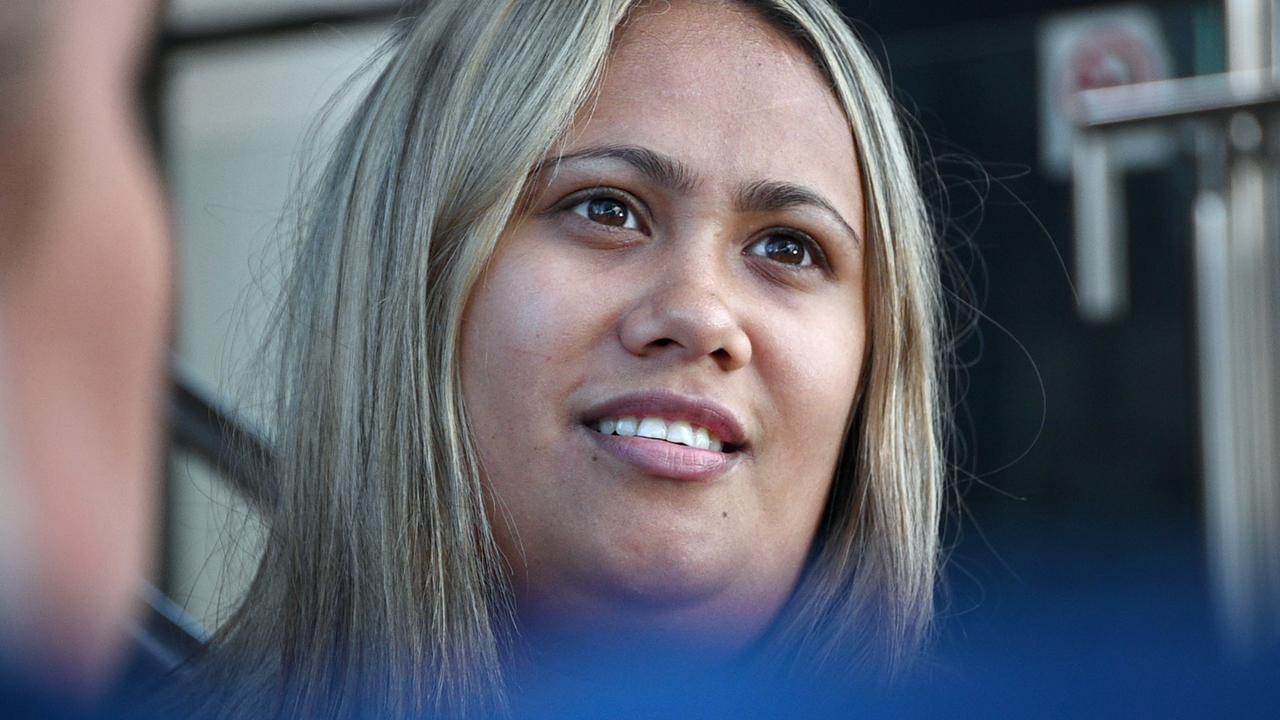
(718, 87)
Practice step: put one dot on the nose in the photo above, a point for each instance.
(685, 316)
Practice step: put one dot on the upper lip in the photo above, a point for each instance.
(673, 406)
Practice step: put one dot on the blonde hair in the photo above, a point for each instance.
(381, 587)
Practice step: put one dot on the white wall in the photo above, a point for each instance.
(234, 118)
(196, 14)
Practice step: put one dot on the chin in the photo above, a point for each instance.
(663, 585)
(667, 563)
(631, 593)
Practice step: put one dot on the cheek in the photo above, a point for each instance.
(520, 315)
(818, 371)
(525, 332)
(813, 373)
(531, 328)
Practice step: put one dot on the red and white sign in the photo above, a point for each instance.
(1098, 48)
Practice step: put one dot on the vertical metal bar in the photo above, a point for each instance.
(1249, 34)
(1227, 555)
(1242, 457)
(1246, 247)
(1101, 257)
(1253, 257)
(1271, 301)
(1265, 502)
(1274, 39)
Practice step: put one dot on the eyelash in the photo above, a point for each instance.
(581, 199)
(817, 258)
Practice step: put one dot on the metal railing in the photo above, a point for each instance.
(1231, 123)
(240, 454)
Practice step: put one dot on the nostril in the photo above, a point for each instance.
(663, 342)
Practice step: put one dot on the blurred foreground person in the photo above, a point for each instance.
(84, 302)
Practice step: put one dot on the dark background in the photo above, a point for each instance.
(1078, 579)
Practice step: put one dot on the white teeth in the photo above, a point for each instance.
(679, 432)
(701, 439)
(626, 427)
(655, 428)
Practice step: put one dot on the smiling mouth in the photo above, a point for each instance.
(676, 432)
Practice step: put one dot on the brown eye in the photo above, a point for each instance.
(607, 211)
(783, 249)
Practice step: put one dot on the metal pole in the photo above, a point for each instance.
(1242, 501)
(1237, 256)
(1249, 34)
(1101, 248)
(1217, 413)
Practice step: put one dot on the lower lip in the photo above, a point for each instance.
(662, 459)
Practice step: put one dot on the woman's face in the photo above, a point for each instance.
(690, 264)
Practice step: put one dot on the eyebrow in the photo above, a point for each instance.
(658, 168)
(774, 195)
(674, 175)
